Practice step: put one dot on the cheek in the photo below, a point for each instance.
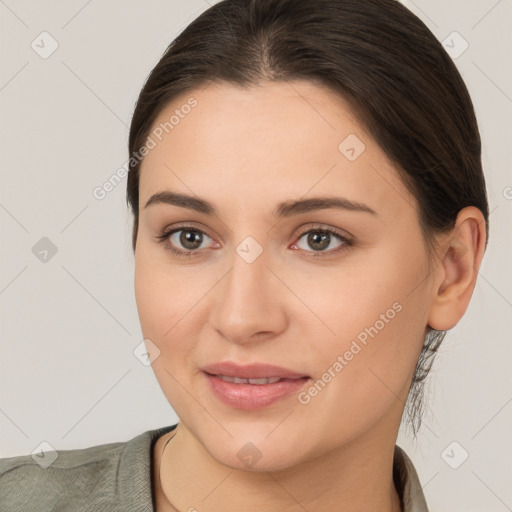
(161, 302)
(351, 298)
(164, 301)
(376, 313)
(163, 292)
(150, 295)
(367, 288)
(171, 306)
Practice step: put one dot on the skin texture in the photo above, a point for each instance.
(245, 151)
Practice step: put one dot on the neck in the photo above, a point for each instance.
(357, 476)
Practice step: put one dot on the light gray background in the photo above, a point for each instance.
(69, 326)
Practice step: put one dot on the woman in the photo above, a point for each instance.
(310, 216)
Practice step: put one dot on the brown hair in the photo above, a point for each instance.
(376, 54)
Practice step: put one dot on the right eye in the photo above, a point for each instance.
(183, 241)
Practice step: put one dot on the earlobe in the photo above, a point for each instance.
(459, 259)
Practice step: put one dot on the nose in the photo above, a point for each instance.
(249, 303)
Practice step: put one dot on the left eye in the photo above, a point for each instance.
(321, 240)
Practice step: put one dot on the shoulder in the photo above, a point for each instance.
(26, 483)
(116, 476)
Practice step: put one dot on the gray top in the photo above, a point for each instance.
(117, 477)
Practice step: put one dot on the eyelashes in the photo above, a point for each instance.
(165, 237)
(316, 234)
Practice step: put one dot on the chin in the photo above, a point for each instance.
(251, 458)
(251, 448)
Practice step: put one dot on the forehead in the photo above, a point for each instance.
(265, 142)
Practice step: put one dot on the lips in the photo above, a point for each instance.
(252, 386)
(252, 371)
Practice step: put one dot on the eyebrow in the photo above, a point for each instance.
(284, 209)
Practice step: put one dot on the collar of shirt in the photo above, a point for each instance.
(408, 483)
(135, 473)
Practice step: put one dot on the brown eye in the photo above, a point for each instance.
(321, 240)
(186, 239)
(190, 239)
(318, 241)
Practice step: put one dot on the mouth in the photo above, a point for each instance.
(253, 386)
(253, 371)
(255, 382)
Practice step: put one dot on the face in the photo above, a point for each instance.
(334, 294)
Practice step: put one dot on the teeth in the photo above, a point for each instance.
(257, 382)
(264, 381)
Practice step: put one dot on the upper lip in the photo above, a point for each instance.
(251, 371)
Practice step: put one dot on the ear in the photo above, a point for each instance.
(459, 258)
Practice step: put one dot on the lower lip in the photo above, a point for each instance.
(253, 396)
